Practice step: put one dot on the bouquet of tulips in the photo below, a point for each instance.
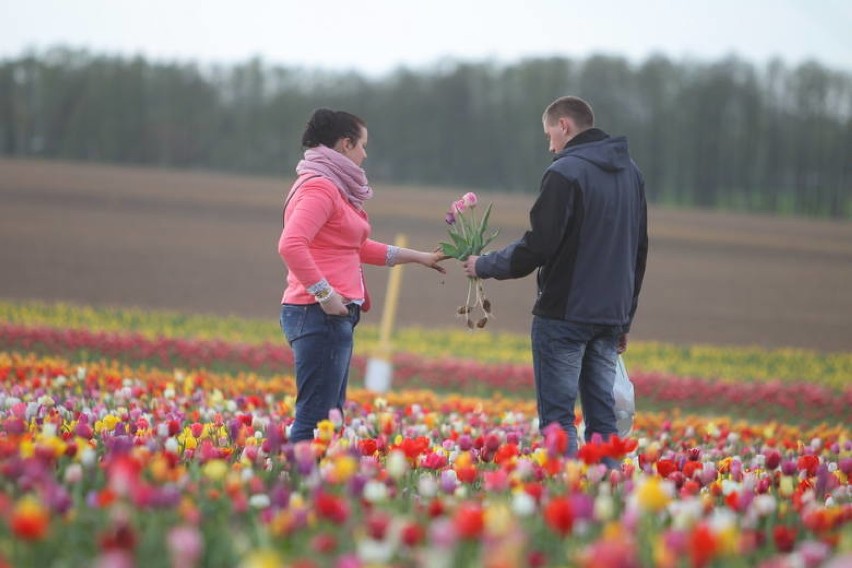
(469, 236)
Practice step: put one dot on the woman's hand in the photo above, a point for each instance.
(335, 305)
(431, 260)
(427, 259)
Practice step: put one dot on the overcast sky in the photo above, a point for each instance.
(377, 36)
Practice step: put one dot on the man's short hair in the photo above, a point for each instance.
(572, 107)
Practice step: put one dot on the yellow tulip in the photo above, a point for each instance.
(264, 558)
(343, 468)
(651, 495)
(729, 540)
(325, 430)
(215, 470)
(109, 421)
(27, 448)
(785, 487)
(498, 520)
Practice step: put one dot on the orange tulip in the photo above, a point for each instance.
(30, 520)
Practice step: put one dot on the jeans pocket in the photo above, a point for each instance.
(293, 321)
(352, 315)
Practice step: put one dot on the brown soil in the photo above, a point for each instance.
(206, 242)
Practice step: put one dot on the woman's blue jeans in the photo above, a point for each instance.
(569, 360)
(322, 350)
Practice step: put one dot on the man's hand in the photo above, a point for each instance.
(622, 344)
(470, 266)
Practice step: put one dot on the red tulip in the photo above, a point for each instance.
(559, 516)
(331, 508)
(785, 538)
(666, 467)
(469, 520)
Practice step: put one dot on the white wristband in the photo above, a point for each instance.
(325, 295)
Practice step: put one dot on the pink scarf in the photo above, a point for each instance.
(350, 179)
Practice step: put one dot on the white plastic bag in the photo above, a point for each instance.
(625, 401)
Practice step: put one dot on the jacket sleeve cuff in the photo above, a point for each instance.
(319, 287)
(391, 255)
(497, 264)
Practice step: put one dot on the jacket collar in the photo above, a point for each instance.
(586, 136)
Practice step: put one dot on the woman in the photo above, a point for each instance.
(323, 244)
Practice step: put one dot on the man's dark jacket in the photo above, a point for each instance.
(589, 235)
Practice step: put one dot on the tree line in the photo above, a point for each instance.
(727, 133)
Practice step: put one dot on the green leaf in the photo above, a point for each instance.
(450, 250)
(477, 239)
(458, 240)
(476, 244)
(468, 223)
(483, 225)
(491, 238)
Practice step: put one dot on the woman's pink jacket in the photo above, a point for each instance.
(326, 237)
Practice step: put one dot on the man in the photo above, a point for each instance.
(589, 240)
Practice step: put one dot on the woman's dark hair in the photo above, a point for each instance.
(327, 126)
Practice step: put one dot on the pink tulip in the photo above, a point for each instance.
(497, 480)
(185, 546)
(348, 561)
(84, 430)
(443, 534)
(14, 426)
(115, 559)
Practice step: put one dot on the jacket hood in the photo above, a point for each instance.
(609, 154)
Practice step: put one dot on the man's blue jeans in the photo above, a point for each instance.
(571, 359)
(322, 350)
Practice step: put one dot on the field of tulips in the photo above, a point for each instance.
(704, 361)
(142, 440)
(787, 385)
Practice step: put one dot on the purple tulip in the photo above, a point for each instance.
(583, 506)
(356, 485)
(448, 482)
(737, 470)
(166, 497)
(821, 481)
(234, 427)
